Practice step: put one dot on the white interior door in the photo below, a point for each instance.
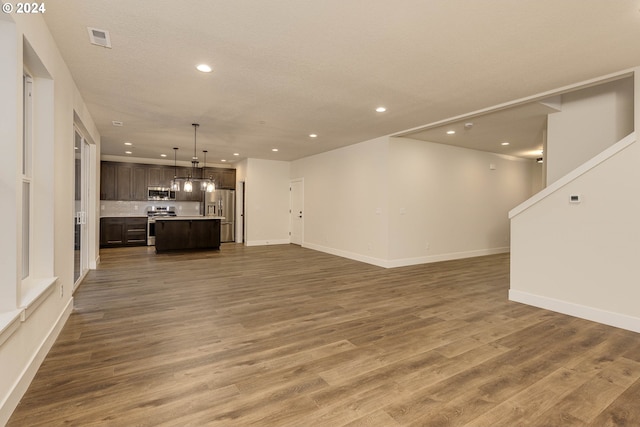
(296, 211)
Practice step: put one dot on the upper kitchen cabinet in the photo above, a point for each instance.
(154, 176)
(139, 182)
(108, 181)
(223, 178)
(228, 179)
(160, 176)
(130, 181)
(123, 181)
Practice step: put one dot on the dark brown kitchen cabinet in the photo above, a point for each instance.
(123, 231)
(117, 181)
(187, 234)
(123, 181)
(154, 176)
(111, 232)
(130, 181)
(124, 178)
(135, 231)
(228, 179)
(108, 181)
(159, 176)
(168, 173)
(222, 177)
(139, 182)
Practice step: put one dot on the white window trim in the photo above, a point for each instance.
(9, 323)
(34, 293)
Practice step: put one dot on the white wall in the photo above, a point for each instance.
(383, 201)
(537, 177)
(583, 259)
(346, 200)
(267, 195)
(29, 340)
(448, 202)
(591, 120)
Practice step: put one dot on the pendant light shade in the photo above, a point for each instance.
(175, 185)
(190, 182)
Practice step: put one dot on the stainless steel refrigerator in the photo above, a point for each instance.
(223, 203)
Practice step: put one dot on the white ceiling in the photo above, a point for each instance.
(283, 69)
(520, 127)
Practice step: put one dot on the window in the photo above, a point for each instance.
(27, 143)
(35, 192)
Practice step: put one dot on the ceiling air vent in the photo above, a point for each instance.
(99, 37)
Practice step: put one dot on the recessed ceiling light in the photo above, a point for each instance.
(117, 123)
(313, 135)
(381, 109)
(451, 132)
(274, 149)
(204, 68)
(504, 143)
(128, 143)
(163, 155)
(236, 154)
(127, 152)
(222, 160)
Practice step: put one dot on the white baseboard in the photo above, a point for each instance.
(345, 254)
(94, 264)
(610, 318)
(268, 242)
(22, 384)
(406, 261)
(446, 257)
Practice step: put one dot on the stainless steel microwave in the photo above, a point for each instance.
(160, 193)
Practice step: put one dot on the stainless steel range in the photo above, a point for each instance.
(154, 212)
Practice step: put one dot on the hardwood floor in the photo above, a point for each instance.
(286, 336)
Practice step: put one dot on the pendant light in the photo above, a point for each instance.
(188, 184)
(206, 184)
(175, 185)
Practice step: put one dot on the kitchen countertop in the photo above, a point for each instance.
(185, 217)
(124, 215)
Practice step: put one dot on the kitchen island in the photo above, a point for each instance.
(187, 233)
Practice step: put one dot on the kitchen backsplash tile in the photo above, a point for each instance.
(126, 208)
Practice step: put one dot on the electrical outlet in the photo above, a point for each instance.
(61, 291)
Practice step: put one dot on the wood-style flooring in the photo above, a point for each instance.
(287, 336)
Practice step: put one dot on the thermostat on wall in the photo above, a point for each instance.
(574, 198)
